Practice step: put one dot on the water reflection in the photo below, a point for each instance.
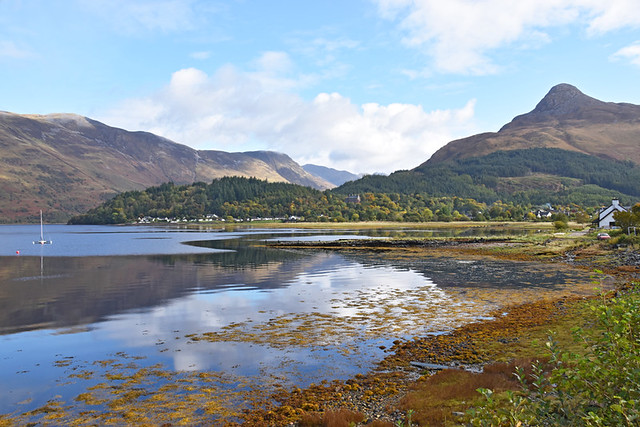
(66, 291)
(237, 307)
(263, 319)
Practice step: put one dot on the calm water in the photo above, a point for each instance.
(101, 292)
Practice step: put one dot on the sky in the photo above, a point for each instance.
(368, 86)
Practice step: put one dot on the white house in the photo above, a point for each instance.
(540, 214)
(353, 198)
(605, 216)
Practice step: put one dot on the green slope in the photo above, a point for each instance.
(535, 175)
(235, 196)
(510, 181)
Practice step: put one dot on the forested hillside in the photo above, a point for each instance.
(529, 176)
(250, 198)
(222, 197)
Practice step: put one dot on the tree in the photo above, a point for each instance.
(627, 219)
(582, 217)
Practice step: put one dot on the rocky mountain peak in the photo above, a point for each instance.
(565, 102)
(70, 121)
(563, 99)
(564, 118)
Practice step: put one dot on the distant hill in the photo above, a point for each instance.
(566, 119)
(239, 199)
(66, 164)
(334, 176)
(224, 196)
(570, 149)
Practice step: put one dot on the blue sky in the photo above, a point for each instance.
(363, 85)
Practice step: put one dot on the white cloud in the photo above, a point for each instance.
(200, 55)
(274, 62)
(324, 50)
(132, 17)
(236, 110)
(605, 16)
(630, 53)
(9, 49)
(461, 35)
(274, 71)
(374, 137)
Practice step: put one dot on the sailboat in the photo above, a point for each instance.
(42, 241)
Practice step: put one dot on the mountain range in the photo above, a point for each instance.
(571, 148)
(65, 164)
(334, 176)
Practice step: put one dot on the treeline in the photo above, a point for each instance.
(604, 173)
(502, 185)
(229, 196)
(482, 178)
(250, 198)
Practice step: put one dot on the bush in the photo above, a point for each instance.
(599, 387)
(560, 225)
(625, 240)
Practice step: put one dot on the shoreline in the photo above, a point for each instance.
(515, 332)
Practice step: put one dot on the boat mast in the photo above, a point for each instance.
(42, 241)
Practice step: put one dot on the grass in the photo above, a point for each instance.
(443, 398)
(593, 386)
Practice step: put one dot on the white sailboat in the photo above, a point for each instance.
(42, 241)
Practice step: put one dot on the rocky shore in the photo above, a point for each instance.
(386, 395)
(389, 243)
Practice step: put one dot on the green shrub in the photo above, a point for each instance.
(596, 388)
(560, 225)
(626, 240)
